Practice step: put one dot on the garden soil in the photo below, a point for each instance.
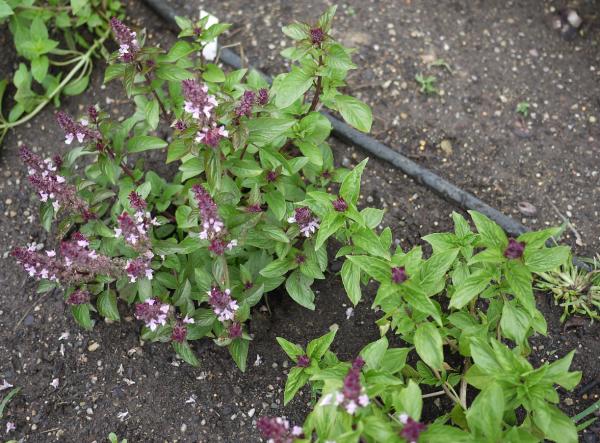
(499, 54)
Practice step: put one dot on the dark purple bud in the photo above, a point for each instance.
(179, 332)
(317, 36)
(248, 285)
(262, 97)
(326, 174)
(246, 103)
(514, 249)
(340, 204)
(412, 429)
(255, 208)
(399, 275)
(303, 361)
(235, 330)
(197, 31)
(300, 259)
(217, 246)
(79, 297)
(180, 125)
(272, 176)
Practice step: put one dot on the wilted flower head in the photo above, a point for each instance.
(514, 249)
(152, 312)
(197, 99)
(246, 104)
(262, 97)
(127, 39)
(399, 274)
(412, 429)
(222, 303)
(212, 135)
(50, 185)
(339, 204)
(78, 297)
(317, 36)
(277, 430)
(305, 219)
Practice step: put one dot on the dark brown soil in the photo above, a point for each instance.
(109, 381)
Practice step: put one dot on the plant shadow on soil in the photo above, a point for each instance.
(110, 382)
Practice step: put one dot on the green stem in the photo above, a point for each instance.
(83, 62)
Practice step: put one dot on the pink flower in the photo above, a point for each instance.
(277, 430)
(198, 101)
(127, 39)
(222, 303)
(152, 312)
(306, 221)
(211, 136)
(51, 186)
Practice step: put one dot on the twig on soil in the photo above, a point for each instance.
(41, 299)
(433, 394)
(578, 239)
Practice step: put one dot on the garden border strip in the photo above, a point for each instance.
(347, 134)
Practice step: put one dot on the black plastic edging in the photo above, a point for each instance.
(347, 134)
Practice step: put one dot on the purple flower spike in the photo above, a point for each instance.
(179, 332)
(412, 429)
(152, 312)
(198, 101)
(514, 249)
(136, 201)
(340, 204)
(263, 96)
(277, 430)
(74, 130)
(44, 177)
(222, 303)
(399, 275)
(212, 135)
(127, 40)
(246, 103)
(303, 361)
(305, 219)
(317, 36)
